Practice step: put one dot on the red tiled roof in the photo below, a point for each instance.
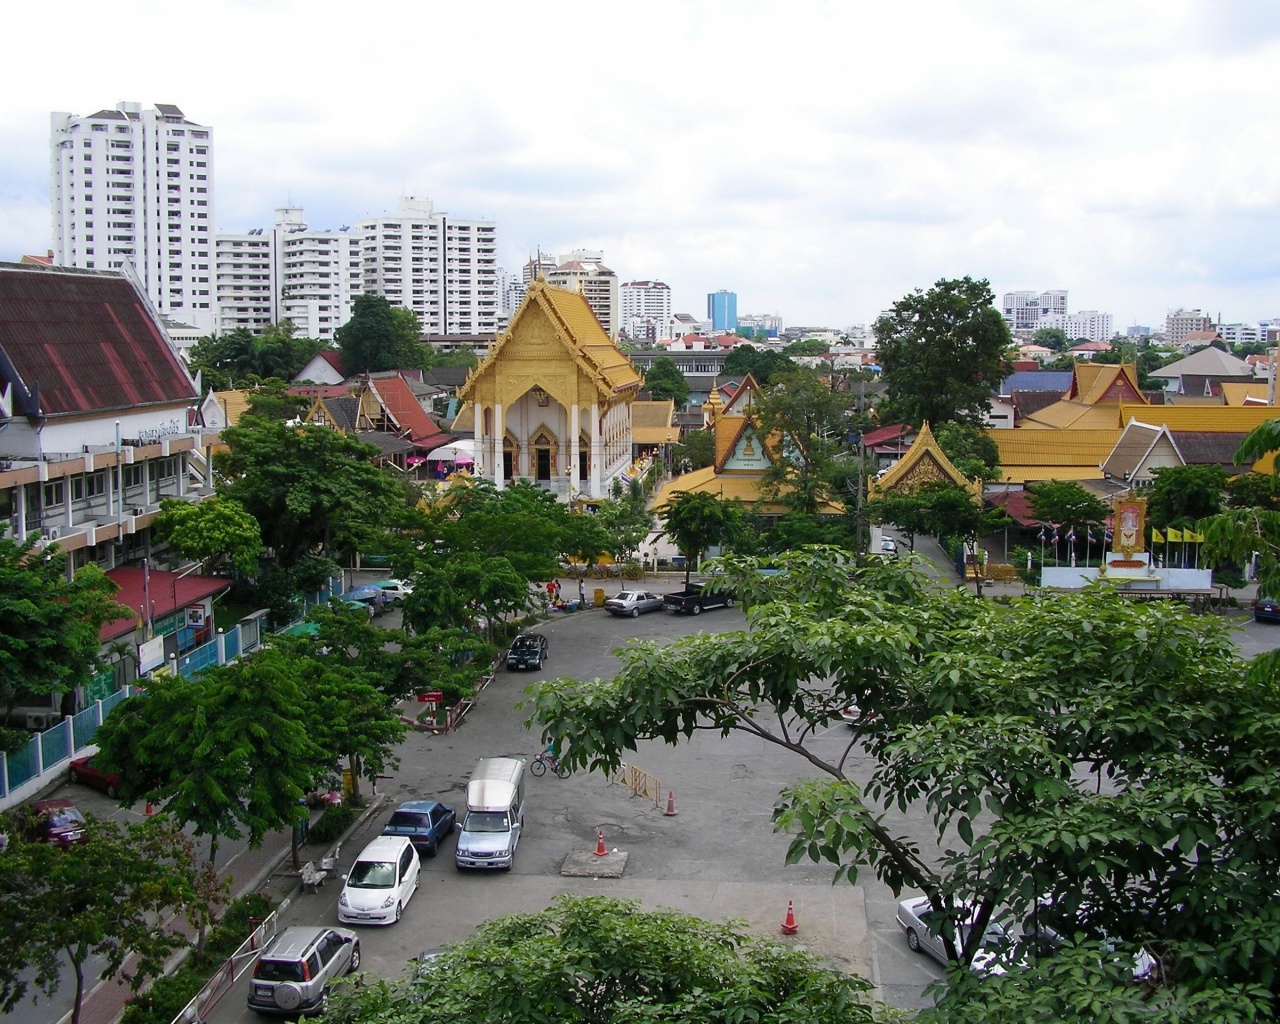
(334, 358)
(82, 341)
(169, 591)
(884, 434)
(320, 390)
(1017, 505)
(400, 403)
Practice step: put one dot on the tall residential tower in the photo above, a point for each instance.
(136, 186)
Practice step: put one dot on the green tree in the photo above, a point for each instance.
(972, 450)
(1110, 755)
(942, 352)
(308, 487)
(1254, 490)
(762, 364)
(1181, 495)
(664, 380)
(696, 450)
(210, 531)
(225, 361)
(908, 512)
(1066, 503)
(459, 591)
(587, 959)
(115, 896)
(803, 421)
(227, 753)
(806, 347)
(697, 521)
(49, 643)
(952, 512)
(371, 339)
(626, 521)
(1051, 337)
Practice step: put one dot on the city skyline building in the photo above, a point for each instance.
(1087, 323)
(722, 310)
(1024, 311)
(1181, 322)
(136, 186)
(646, 310)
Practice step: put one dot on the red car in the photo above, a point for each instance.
(56, 822)
(83, 770)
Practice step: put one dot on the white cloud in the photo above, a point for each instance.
(819, 158)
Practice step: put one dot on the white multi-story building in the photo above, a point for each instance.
(1087, 323)
(537, 268)
(646, 310)
(245, 281)
(1181, 322)
(137, 185)
(1025, 311)
(582, 271)
(1241, 334)
(444, 270)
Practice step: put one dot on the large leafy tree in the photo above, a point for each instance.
(1066, 503)
(762, 364)
(228, 753)
(802, 420)
(908, 512)
(49, 642)
(972, 450)
(1254, 490)
(117, 895)
(380, 336)
(210, 531)
(1109, 755)
(696, 450)
(239, 356)
(1181, 495)
(953, 512)
(308, 487)
(588, 959)
(943, 352)
(664, 380)
(697, 521)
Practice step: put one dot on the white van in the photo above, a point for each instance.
(495, 814)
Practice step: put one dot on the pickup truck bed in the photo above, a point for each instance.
(693, 600)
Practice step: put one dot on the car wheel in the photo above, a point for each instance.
(635, 613)
(112, 792)
(432, 846)
(728, 602)
(913, 941)
(697, 609)
(76, 778)
(355, 958)
(399, 911)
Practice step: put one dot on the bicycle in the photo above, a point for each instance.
(544, 761)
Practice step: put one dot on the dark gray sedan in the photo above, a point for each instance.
(633, 602)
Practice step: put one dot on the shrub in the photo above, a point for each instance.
(332, 823)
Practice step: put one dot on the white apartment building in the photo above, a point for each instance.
(1241, 334)
(582, 271)
(244, 281)
(1087, 323)
(133, 185)
(538, 267)
(1024, 311)
(445, 270)
(1181, 322)
(646, 310)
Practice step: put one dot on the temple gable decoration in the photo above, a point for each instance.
(924, 463)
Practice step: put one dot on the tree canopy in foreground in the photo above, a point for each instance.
(1113, 756)
(594, 960)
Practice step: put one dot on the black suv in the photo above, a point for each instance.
(528, 650)
(293, 973)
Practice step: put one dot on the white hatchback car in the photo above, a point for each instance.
(381, 881)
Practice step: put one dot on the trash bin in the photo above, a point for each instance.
(599, 597)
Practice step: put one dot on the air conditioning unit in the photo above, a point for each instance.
(52, 532)
(135, 511)
(39, 719)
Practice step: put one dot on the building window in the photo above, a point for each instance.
(54, 495)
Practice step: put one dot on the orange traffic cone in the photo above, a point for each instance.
(149, 810)
(671, 811)
(789, 926)
(600, 851)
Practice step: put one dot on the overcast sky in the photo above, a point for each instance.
(819, 159)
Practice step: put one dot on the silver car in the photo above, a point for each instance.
(921, 923)
(633, 602)
(295, 968)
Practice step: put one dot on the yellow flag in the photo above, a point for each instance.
(1174, 534)
(1193, 536)
(1156, 538)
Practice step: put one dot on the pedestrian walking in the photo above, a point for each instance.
(582, 593)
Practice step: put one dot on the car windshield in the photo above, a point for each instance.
(372, 874)
(278, 970)
(487, 821)
(60, 817)
(525, 643)
(409, 819)
(627, 595)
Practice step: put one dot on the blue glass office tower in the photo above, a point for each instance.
(722, 310)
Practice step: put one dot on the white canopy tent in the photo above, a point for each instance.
(459, 451)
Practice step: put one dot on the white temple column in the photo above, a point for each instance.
(575, 428)
(499, 474)
(482, 457)
(597, 450)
